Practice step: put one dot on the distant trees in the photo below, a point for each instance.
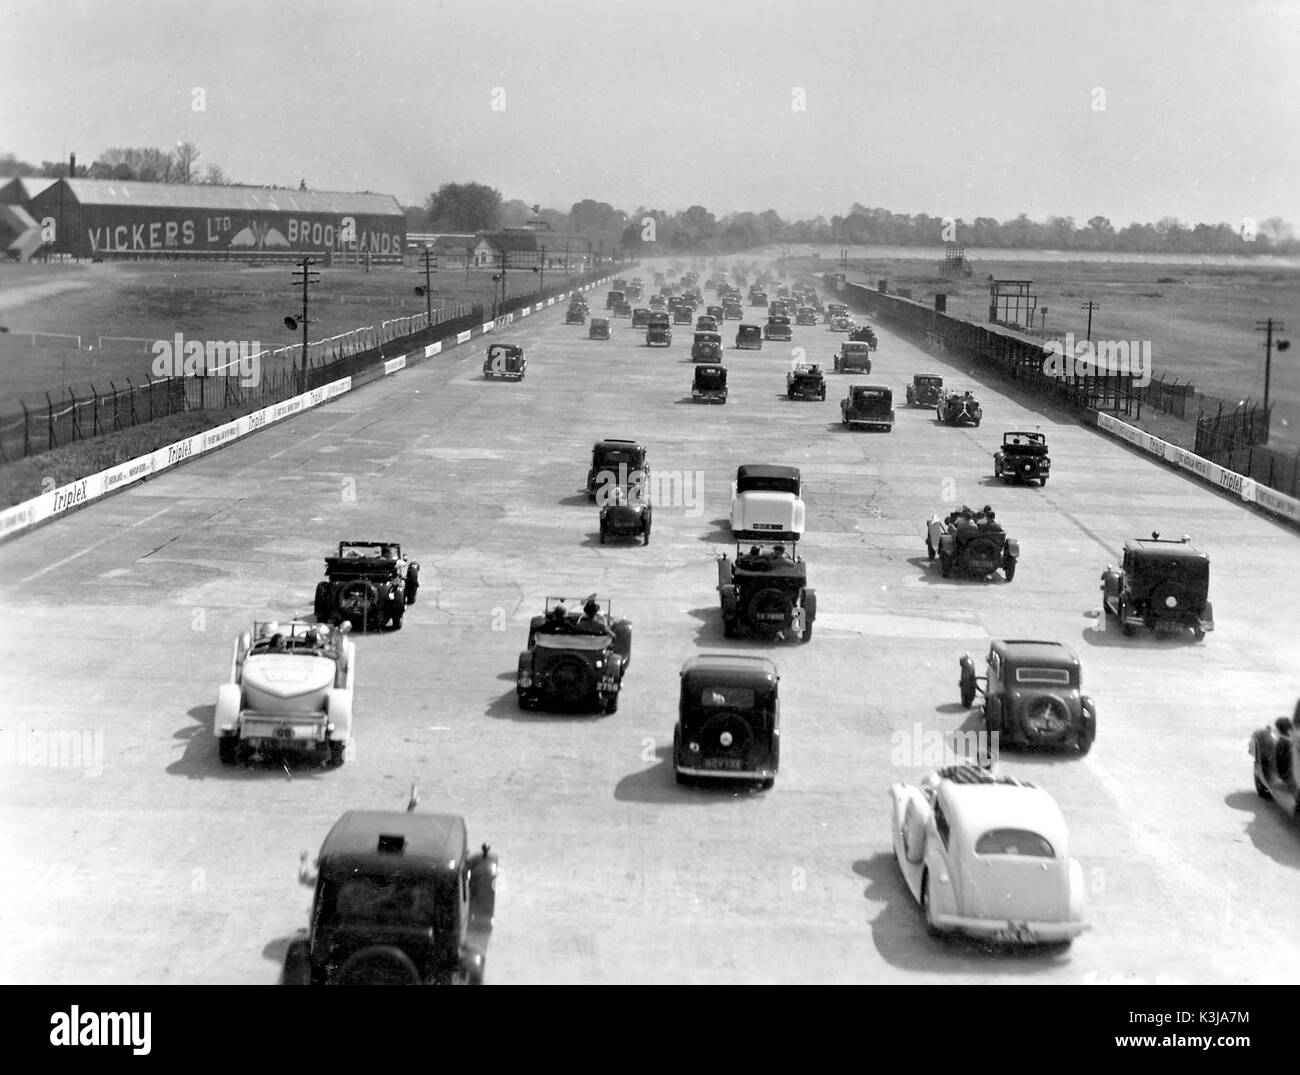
(464, 207)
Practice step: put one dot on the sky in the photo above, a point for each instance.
(1130, 109)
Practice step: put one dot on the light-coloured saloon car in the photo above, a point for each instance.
(989, 857)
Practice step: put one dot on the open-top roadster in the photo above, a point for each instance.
(506, 361)
(971, 543)
(574, 661)
(1022, 457)
(369, 584)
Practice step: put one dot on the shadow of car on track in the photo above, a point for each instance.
(1269, 829)
(1104, 632)
(577, 500)
(275, 949)
(658, 785)
(506, 707)
(720, 532)
(899, 935)
(931, 574)
(200, 761)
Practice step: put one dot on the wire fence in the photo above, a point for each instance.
(223, 380)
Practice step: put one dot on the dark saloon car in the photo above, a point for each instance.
(729, 720)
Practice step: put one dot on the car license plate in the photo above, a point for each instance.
(767, 526)
(731, 764)
(1016, 933)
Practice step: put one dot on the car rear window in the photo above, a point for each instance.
(378, 899)
(1014, 842)
(1043, 675)
(727, 697)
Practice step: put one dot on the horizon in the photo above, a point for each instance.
(930, 108)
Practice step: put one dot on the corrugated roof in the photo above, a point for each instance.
(237, 199)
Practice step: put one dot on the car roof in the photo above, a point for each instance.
(1169, 550)
(732, 665)
(765, 470)
(1033, 650)
(433, 841)
(973, 809)
(618, 444)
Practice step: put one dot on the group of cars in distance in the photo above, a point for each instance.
(399, 897)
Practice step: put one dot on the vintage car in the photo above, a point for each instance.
(758, 298)
(733, 311)
(764, 591)
(749, 338)
(805, 381)
(579, 301)
(805, 315)
(767, 503)
(657, 302)
(864, 334)
(709, 384)
(777, 328)
(718, 314)
(399, 900)
(614, 298)
(959, 408)
(575, 315)
(621, 464)
(290, 689)
(682, 314)
(853, 357)
(621, 309)
(1022, 457)
(971, 544)
(572, 661)
(506, 361)
(624, 515)
(706, 347)
(641, 317)
(658, 331)
(868, 406)
(1276, 751)
(925, 390)
(1031, 695)
(833, 310)
(728, 720)
(705, 323)
(1161, 583)
(620, 282)
(989, 857)
(368, 584)
(843, 323)
(599, 329)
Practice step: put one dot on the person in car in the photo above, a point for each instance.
(592, 622)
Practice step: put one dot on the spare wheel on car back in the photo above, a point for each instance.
(570, 678)
(727, 733)
(357, 595)
(380, 964)
(983, 556)
(1045, 716)
(771, 609)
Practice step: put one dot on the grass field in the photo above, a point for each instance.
(137, 302)
(1200, 319)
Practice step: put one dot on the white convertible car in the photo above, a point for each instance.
(290, 688)
(988, 856)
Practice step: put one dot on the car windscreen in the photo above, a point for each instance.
(1014, 842)
(354, 552)
(768, 484)
(750, 330)
(1060, 676)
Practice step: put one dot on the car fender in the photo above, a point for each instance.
(730, 602)
(225, 718)
(1089, 709)
(242, 645)
(483, 870)
(945, 897)
(1263, 748)
(809, 602)
(525, 669)
(338, 707)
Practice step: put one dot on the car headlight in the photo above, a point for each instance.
(693, 747)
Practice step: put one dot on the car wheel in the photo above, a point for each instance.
(1042, 482)
(645, 540)
(1009, 566)
(611, 703)
(412, 583)
(767, 784)
(966, 683)
(603, 532)
(297, 964)
(527, 702)
(1198, 633)
(929, 548)
(930, 927)
(380, 964)
(228, 749)
(1127, 628)
(945, 564)
(322, 603)
(397, 618)
(728, 627)
(338, 752)
(807, 630)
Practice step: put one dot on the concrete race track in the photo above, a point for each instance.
(166, 867)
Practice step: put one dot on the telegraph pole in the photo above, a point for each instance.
(1268, 328)
(1089, 306)
(540, 269)
(307, 276)
(430, 261)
